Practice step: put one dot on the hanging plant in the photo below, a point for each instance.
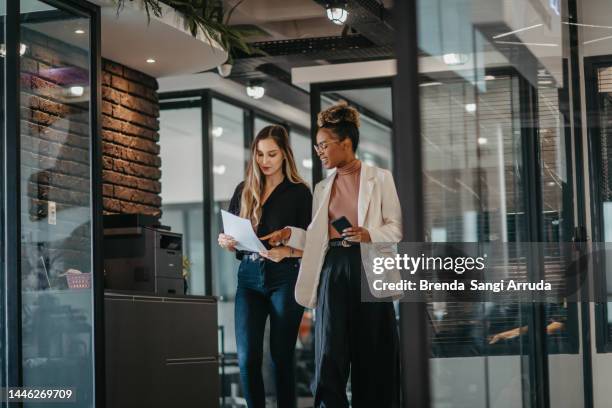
(204, 15)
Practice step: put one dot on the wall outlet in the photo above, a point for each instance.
(51, 213)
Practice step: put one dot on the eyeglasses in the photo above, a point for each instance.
(321, 147)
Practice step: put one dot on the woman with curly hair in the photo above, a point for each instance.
(351, 336)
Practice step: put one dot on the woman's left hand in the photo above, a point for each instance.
(356, 234)
(276, 254)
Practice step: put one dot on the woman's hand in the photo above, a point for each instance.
(227, 242)
(277, 254)
(356, 234)
(507, 335)
(276, 238)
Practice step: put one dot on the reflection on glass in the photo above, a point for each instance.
(374, 105)
(181, 157)
(260, 124)
(228, 171)
(491, 83)
(301, 146)
(56, 204)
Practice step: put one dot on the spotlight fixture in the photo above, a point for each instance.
(454, 58)
(470, 107)
(482, 140)
(150, 61)
(336, 12)
(255, 90)
(79, 31)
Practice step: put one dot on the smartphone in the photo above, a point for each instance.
(340, 224)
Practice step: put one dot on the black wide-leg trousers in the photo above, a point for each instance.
(353, 337)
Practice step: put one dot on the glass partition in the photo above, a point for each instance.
(182, 193)
(56, 202)
(375, 106)
(302, 151)
(495, 133)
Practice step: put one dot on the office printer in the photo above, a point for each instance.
(142, 255)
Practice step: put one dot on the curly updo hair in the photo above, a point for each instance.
(342, 120)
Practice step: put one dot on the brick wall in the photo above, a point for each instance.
(130, 135)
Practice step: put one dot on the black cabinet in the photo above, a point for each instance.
(161, 351)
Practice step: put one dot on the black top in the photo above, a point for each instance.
(289, 205)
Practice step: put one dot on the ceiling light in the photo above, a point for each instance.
(336, 12)
(454, 58)
(150, 61)
(79, 31)
(219, 169)
(544, 82)
(597, 39)
(307, 163)
(527, 43)
(77, 90)
(551, 183)
(470, 107)
(424, 84)
(217, 131)
(489, 77)
(516, 31)
(482, 140)
(255, 90)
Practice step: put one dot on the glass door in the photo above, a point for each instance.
(58, 104)
(499, 146)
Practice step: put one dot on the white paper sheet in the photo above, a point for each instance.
(242, 231)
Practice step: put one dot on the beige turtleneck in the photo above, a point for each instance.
(344, 196)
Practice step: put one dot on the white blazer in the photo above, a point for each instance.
(378, 210)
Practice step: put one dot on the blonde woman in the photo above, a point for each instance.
(272, 196)
(352, 337)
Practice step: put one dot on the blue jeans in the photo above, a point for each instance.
(267, 289)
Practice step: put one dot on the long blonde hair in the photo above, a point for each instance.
(254, 183)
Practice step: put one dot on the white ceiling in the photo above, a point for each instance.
(130, 39)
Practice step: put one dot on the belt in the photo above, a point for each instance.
(339, 242)
(253, 256)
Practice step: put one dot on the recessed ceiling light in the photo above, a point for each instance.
(217, 131)
(219, 169)
(470, 107)
(489, 77)
(551, 183)
(77, 90)
(150, 61)
(455, 58)
(79, 31)
(544, 82)
(482, 140)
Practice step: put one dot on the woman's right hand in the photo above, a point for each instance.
(227, 242)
